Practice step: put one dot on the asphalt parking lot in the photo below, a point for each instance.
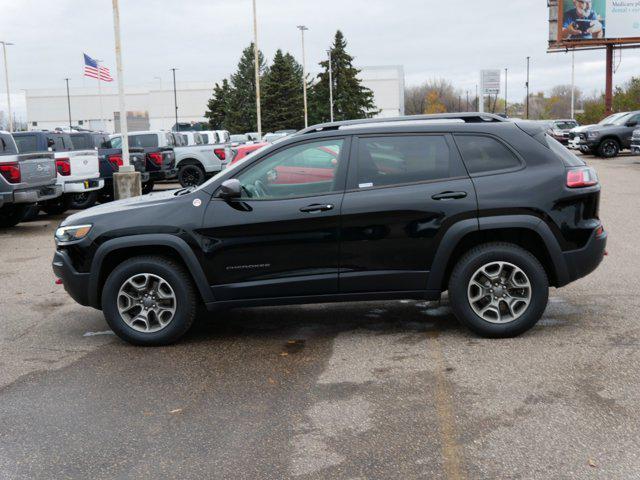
(364, 390)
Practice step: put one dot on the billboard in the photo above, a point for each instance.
(575, 23)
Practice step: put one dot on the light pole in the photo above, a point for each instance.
(126, 181)
(330, 86)
(506, 76)
(573, 82)
(302, 29)
(6, 77)
(68, 102)
(175, 97)
(256, 65)
(527, 85)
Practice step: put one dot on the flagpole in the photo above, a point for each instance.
(100, 97)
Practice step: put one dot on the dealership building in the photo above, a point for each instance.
(153, 108)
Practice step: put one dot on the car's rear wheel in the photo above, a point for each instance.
(12, 214)
(191, 175)
(80, 201)
(609, 148)
(57, 206)
(148, 187)
(149, 301)
(498, 290)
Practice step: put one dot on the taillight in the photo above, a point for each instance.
(10, 171)
(581, 177)
(220, 153)
(115, 161)
(156, 158)
(63, 166)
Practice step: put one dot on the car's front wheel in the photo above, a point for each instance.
(498, 290)
(609, 148)
(149, 301)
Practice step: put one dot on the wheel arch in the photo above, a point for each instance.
(526, 231)
(113, 252)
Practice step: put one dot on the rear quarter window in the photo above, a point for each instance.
(27, 143)
(567, 157)
(485, 154)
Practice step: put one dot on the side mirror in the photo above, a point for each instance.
(231, 188)
(632, 123)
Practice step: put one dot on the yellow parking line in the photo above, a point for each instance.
(451, 450)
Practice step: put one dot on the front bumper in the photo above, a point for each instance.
(81, 186)
(585, 260)
(75, 283)
(635, 146)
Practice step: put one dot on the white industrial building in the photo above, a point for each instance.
(153, 108)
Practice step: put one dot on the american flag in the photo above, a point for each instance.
(91, 70)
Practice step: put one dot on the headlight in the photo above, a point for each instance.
(595, 134)
(72, 233)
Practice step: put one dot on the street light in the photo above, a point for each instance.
(256, 65)
(330, 86)
(6, 76)
(302, 29)
(175, 96)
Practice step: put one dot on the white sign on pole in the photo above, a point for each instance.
(490, 82)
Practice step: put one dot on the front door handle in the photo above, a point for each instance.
(317, 207)
(449, 195)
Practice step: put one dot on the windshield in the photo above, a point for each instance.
(611, 118)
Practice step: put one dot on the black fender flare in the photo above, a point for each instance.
(161, 239)
(457, 231)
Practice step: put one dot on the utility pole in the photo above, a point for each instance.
(573, 83)
(330, 86)
(477, 99)
(506, 74)
(256, 60)
(467, 109)
(68, 102)
(527, 85)
(175, 97)
(126, 180)
(6, 77)
(302, 28)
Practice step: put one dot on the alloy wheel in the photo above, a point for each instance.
(499, 292)
(146, 302)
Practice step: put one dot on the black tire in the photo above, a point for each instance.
(148, 187)
(12, 214)
(492, 252)
(175, 275)
(57, 206)
(80, 201)
(609, 148)
(190, 175)
(31, 212)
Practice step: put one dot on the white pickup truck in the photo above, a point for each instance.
(78, 170)
(194, 162)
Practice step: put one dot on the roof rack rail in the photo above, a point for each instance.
(464, 117)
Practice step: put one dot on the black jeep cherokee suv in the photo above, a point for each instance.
(493, 211)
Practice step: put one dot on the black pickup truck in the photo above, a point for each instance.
(161, 160)
(110, 161)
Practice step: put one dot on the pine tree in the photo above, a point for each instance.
(241, 105)
(217, 106)
(282, 94)
(351, 100)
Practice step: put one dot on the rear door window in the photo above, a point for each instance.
(393, 160)
(143, 141)
(58, 143)
(27, 143)
(483, 154)
(82, 142)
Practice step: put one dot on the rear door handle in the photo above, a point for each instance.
(317, 207)
(449, 195)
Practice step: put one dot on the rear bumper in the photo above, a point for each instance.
(81, 186)
(31, 195)
(75, 283)
(585, 260)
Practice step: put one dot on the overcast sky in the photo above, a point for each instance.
(453, 39)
